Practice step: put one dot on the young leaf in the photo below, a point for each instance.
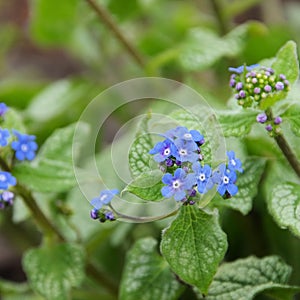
(54, 270)
(286, 62)
(247, 183)
(245, 278)
(292, 115)
(284, 206)
(139, 156)
(236, 123)
(13, 120)
(52, 170)
(147, 275)
(147, 186)
(194, 245)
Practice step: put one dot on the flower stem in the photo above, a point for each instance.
(221, 18)
(106, 18)
(285, 147)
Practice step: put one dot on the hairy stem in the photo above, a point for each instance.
(285, 148)
(110, 23)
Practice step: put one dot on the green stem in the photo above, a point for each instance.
(110, 23)
(285, 147)
(221, 18)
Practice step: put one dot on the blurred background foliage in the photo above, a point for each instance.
(56, 56)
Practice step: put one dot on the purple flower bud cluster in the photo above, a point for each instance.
(6, 196)
(270, 125)
(186, 174)
(253, 84)
(101, 210)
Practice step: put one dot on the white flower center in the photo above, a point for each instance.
(182, 152)
(225, 180)
(202, 177)
(167, 151)
(103, 197)
(2, 178)
(24, 147)
(187, 136)
(176, 184)
(233, 162)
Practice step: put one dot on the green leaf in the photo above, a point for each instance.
(52, 170)
(245, 278)
(271, 99)
(194, 245)
(284, 206)
(13, 120)
(139, 157)
(236, 123)
(292, 115)
(147, 275)
(9, 287)
(52, 22)
(287, 61)
(54, 270)
(147, 186)
(247, 183)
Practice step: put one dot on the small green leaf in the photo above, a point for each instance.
(194, 245)
(247, 183)
(147, 275)
(236, 123)
(292, 115)
(54, 270)
(147, 186)
(139, 157)
(271, 99)
(245, 278)
(52, 170)
(286, 61)
(52, 22)
(284, 206)
(13, 120)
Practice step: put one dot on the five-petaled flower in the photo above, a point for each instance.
(163, 150)
(185, 151)
(234, 164)
(25, 146)
(177, 185)
(104, 198)
(4, 136)
(225, 179)
(203, 177)
(6, 180)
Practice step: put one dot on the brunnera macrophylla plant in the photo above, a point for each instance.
(178, 168)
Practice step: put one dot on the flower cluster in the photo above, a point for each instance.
(19, 145)
(180, 158)
(101, 209)
(271, 124)
(253, 83)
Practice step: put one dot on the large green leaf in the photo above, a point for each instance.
(194, 245)
(147, 186)
(292, 115)
(286, 61)
(54, 270)
(52, 22)
(236, 123)
(147, 275)
(52, 170)
(284, 206)
(247, 183)
(139, 157)
(245, 278)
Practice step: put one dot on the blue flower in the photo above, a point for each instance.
(7, 197)
(6, 180)
(177, 185)
(3, 109)
(185, 151)
(4, 135)
(225, 179)
(240, 69)
(234, 163)
(203, 177)
(163, 150)
(25, 146)
(104, 198)
(183, 133)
